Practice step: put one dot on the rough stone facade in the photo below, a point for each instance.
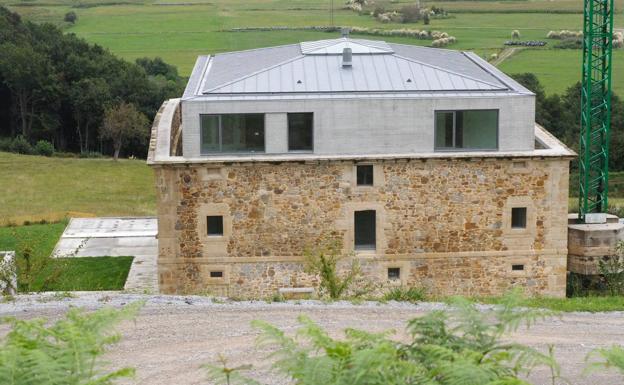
(446, 223)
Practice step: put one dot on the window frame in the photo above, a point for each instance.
(365, 247)
(439, 148)
(221, 152)
(208, 226)
(526, 219)
(372, 168)
(288, 133)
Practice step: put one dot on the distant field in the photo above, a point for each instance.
(36, 188)
(556, 78)
(179, 30)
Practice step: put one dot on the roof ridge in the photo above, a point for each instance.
(451, 72)
(300, 56)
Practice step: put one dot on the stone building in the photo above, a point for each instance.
(424, 164)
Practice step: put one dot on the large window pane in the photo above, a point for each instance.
(232, 133)
(444, 130)
(364, 230)
(467, 129)
(209, 133)
(300, 132)
(480, 129)
(242, 133)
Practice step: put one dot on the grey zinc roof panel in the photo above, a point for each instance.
(369, 73)
(226, 67)
(277, 70)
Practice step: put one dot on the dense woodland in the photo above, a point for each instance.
(57, 87)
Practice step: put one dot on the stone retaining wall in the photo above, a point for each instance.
(444, 222)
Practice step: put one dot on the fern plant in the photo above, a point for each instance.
(460, 346)
(324, 263)
(67, 352)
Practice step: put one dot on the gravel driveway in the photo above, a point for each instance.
(173, 336)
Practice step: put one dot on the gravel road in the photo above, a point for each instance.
(173, 335)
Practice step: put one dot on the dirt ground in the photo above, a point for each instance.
(174, 336)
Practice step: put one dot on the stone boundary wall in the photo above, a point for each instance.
(445, 223)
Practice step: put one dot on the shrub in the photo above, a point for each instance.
(612, 270)
(70, 17)
(45, 148)
(570, 43)
(515, 34)
(402, 294)
(21, 146)
(463, 345)
(5, 144)
(324, 263)
(411, 13)
(67, 352)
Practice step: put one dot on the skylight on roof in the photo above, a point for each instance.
(336, 46)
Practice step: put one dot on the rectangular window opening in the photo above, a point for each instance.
(216, 274)
(517, 267)
(215, 225)
(364, 174)
(230, 133)
(300, 131)
(394, 273)
(466, 130)
(365, 230)
(518, 218)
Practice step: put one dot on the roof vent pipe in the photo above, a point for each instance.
(346, 57)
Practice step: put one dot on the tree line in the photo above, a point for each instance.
(58, 88)
(561, 115)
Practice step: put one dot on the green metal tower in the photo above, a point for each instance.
(595, 107)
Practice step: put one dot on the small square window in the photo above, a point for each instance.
(215, 225)
(394, 273)
(364, 229)
(517, 267)
(364, 174)
(518, 218)
(216, 274)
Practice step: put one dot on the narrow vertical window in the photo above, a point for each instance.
(518, 218)
(365, 230)
(300, 131)
(364, 174)
(215, 225)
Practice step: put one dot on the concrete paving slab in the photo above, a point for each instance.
(115, 237)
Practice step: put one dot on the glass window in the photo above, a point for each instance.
(300, 131)
(467, 129)
(394, 273)
(364, 174)
(518, 218)
(364, 229)
(215, 225)
(232, 133)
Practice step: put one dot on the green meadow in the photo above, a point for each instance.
(179, 30)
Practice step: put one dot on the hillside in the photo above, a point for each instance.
(37, 188)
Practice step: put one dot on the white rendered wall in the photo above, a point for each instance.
(367, 126)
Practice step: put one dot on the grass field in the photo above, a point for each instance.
(38, 188)
(179, 30)
(60, 274)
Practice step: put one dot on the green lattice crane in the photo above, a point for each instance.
(595, 107)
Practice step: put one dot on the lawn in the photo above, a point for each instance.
(59, 274)
(178, 30)
(38, 188)
(585, 304)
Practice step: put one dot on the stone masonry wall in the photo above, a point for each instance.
(446, 223)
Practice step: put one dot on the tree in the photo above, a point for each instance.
(28, 75)
(71, 17)
(89, 98)
(123, 123)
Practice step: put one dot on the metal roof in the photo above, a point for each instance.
(314, 68)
